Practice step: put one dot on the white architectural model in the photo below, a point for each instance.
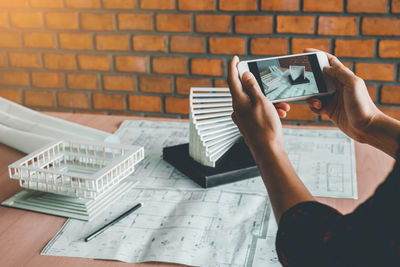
(82, 177)
(77, 169)
(212, 131)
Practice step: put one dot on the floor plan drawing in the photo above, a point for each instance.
(228, 225)
(194, 227)
(310, 151)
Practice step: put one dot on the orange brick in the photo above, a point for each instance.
(155, 84)
(360, 6)
(106, 101)
(396, 6)
(213, 23)
(390, 94)
(11, 94)
(299, 44)
(47, 3)
(82, 81)
(131, 21)
(238, 5)
(62, 20)
(47, 80)
(73, 100)
(375, 71)
(118, 83)
(97, 22)
(12, 77)
(372, 91)
(112, 42)
(295, 24)
(389, 48)
(337, 25)
(169, 65)
(3, 60)
(145, 103)
(39, 40)
(60, 61)
(393, 112)
(30, 20)
(14, 4)
(211, 67)
(173, 22)
(380, 26)
(157, 4)
(280, 5)
(131, 63)
(195, 5)
(354, 48)
(300, 112)
(10, 40)
(3, 20)
(24, 60)
(187, 44)
(323, 6)
(221, 83)
(39, 99)
(227, 45)
(94, 62)
(119, 4)
(268, 46)
(253, 24)
(184, 84)
(76, 41)
(347, 64)
(154, 43)
(177, 105)
(82, 3)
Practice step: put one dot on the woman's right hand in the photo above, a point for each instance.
(350, 107)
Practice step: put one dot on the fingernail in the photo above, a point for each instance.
(247, 76)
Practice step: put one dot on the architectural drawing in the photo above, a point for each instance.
(194, 227)
(310, 151)
(229, 225)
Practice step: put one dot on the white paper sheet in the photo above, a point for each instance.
(192, 226)
(323, 159)
(230, 225)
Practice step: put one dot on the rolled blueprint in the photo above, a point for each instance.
(27, 130)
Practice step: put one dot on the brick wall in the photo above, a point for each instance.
(142, 56)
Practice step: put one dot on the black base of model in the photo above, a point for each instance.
(237, 164)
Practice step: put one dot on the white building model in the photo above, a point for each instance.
(212, 131)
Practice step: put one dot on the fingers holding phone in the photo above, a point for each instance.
(350, 107)
(256, 117)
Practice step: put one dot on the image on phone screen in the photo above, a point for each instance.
(289, 77)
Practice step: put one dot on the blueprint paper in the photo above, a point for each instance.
(323, 159)
(193, 226)
(230, 225)
(27, 130)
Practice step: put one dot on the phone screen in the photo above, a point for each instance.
(289, 77)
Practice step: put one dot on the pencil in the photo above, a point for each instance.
(108, 225)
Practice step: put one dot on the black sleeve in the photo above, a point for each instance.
(314, 234)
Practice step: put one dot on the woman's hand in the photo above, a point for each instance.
(256, 117)
(350, 107)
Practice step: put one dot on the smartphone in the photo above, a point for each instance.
(292, 77)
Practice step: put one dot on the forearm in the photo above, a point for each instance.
(384, 134)
(284, 187)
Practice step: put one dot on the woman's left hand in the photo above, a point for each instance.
(256, 117)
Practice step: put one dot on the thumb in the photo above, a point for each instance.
(252, 88)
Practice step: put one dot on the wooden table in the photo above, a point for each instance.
(24, 234)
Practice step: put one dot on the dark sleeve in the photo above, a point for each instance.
(313, 234)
